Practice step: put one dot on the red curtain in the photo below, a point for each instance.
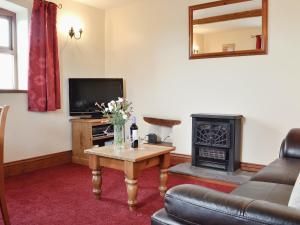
(44, 77)
(258, 42)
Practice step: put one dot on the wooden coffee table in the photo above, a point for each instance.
(132, 162)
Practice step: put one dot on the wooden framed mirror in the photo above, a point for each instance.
(228, 28)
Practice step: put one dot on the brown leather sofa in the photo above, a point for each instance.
(261, 201)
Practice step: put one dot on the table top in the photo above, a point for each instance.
(144, 151)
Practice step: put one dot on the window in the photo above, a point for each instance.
(8, 50)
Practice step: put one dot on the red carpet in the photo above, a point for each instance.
(63, 196)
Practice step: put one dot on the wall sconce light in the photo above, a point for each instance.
(73, 34)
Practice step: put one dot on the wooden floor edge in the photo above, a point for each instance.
(181, 158)
(36, 163)
(206, 180)
(251, 167)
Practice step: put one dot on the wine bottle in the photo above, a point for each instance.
(134, 134)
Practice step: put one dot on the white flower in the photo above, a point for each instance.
(125, 117)
(110, 107)
(120, 100)
(113, 102)
(106, 109)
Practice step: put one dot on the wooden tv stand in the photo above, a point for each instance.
(82, 138)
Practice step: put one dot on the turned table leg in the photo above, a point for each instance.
(97, 182)
(164, 166)
(132, 189)
(96, 175)
(131, 174)
(163, 177)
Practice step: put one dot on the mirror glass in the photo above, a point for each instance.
(227, 29)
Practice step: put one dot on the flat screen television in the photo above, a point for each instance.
(85, 92)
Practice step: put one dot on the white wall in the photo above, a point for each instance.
(34, 134)
(147, 42)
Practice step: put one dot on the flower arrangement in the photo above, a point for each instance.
(118, 112)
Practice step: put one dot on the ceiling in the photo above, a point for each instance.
(104, 4)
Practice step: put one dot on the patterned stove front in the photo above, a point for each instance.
(216, 141)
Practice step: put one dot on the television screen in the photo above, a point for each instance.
(85, 92)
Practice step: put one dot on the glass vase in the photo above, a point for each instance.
(118, 136)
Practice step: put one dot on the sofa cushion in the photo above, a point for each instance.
(295, 196)
(271, 192)
(282, 171)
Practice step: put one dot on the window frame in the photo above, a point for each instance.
(12, 49)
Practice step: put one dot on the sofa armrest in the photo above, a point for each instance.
(290, 147)
(161, 217)
(197, 205)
